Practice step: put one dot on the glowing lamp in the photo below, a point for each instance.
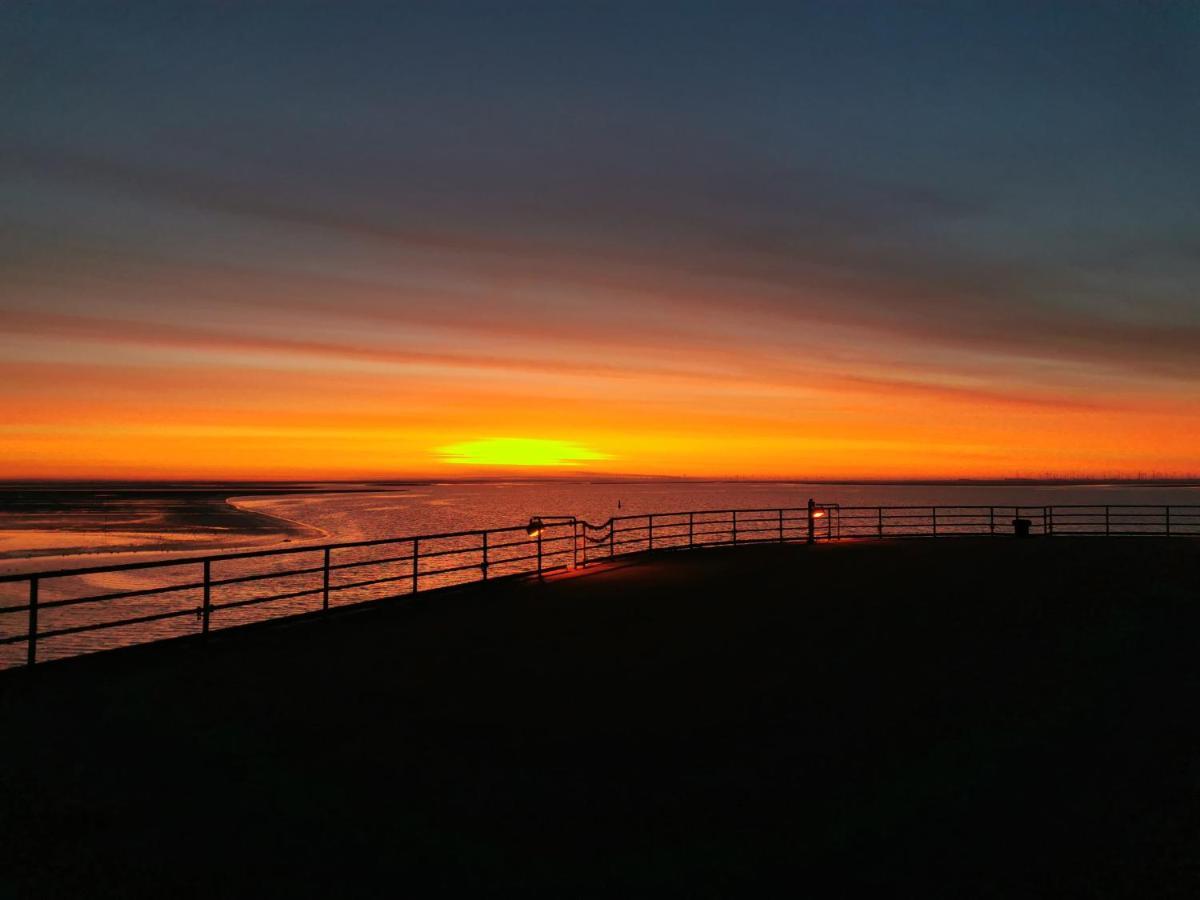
(817, 514)
(534, 528)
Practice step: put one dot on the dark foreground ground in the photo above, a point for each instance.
(969, 718)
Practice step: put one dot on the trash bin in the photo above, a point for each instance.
(1021, 527)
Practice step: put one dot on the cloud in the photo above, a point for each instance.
(627, 245)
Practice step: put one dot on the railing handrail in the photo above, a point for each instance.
(564, 537)
(476, 532)
(254, 554)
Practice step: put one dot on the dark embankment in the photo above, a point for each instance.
(976, 718)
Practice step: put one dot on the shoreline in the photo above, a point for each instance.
(51, 527)
(297, 526)
(197, 529)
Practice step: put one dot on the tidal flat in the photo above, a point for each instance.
(43, 521)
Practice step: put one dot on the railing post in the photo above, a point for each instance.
(206, 611)
(416, 553)
(31, 641)
(325, 582)
(650, 532)
(1106, 527)
(612, 538)
(1050, 518)
(879, 510)
(1168, 521)
(539, 540)
(934, 508)
(735, 527)
(691, 532)
(581, 532)
(1045, 521)
(812, 536)
(484, 565)
(991, 520)
(781, 526)
(575, 544)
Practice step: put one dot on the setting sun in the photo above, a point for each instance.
(504, 452)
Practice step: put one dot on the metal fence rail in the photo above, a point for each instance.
(67, 612)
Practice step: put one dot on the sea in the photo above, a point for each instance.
(310, 519)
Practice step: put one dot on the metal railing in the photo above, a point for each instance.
(67, 612)
(832, 522)
(64, 609)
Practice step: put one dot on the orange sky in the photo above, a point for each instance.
(182, 376)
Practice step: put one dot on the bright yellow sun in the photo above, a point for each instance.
(518, 452)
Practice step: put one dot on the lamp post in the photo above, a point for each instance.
(538, 524)
(818, 512)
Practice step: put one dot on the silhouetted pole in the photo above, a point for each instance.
(325, 581)
(206, 611)
(31, 638)
(812, 508)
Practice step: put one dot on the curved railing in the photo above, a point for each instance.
(67, 612)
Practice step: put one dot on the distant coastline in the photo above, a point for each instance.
(360, 485)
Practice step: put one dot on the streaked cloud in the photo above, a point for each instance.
(777, 242)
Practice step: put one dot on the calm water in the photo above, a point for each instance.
(447, 508)
(440, 508)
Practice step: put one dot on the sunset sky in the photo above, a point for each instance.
(352, 240)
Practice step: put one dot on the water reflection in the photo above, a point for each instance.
(295, 582)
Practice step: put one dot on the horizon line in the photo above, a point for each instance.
(598, 478)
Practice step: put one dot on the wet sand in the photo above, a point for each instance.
(48, 525)
(984, 718)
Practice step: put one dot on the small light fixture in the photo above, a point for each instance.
(534, 528)
(817, 514)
